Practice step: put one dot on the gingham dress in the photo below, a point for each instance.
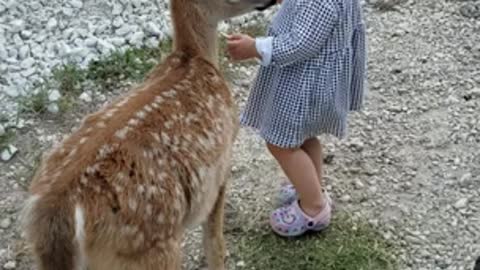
(316, 74)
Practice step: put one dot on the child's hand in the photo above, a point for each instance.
(241, 47)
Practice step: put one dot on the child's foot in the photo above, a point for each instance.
(291, 220)
(288, 195)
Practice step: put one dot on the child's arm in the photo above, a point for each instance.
(312, 27)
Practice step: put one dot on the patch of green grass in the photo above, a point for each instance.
(36, 103)
(346, 245)
(132, 65)
(69, 78)
(6, 139)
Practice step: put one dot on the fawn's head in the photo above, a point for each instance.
(218, 10)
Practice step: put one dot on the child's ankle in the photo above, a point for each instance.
(313, 209)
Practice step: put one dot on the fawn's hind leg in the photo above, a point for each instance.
(213, 239)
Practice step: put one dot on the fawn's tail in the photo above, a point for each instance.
(51, 227)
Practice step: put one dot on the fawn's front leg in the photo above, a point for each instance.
(213, 240)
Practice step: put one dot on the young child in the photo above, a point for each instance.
(312, 73)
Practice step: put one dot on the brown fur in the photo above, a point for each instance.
(119, 192)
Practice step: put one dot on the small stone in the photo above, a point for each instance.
(345, 198)
(76, 3)
(27, 63)
(5, 223)
(17, 26)
(117, 9)
(124, 30)
(52, 24)
(241, 264)
(10, 265)
(24, 52)
(2, 130)
(91, 42)
(54, 96)
(137, 38)
(152, 29)
(85, 97)
(461, 204)
(104, 46)
(474, 92)
(26, 34)
(359, 184)
(53, 108)
(3, 53)
(118, 22)
(118, 41)
(8, 153)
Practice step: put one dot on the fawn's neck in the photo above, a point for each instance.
(194, 34)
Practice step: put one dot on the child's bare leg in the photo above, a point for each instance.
(301, 171)
(313, 148)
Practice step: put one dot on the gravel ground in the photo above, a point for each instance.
(411, 164)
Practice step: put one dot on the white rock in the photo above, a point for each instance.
(104, 47)
(91, 42)
(5, 223)
(117, 9)
(241, 264)
(12, 91)
(461, 204)
(118, 41)
(2, 130)
(23, 52)
(54, 96)
(85, 97)
(474, 92)
(153, 29)
(3, 53)
(76, 3)
(53, 108)
(124, 30)
(27, 63)
(26, 34)
(17, 25)
(28, 72)
(52, 24)
(118, 22)
(345, 198)
(10, 265)
(137, 38)
(8, 153)
(359, 184)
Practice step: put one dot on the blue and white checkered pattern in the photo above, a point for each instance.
(313, 72)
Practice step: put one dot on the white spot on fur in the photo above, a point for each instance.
(168, 124)
(133, 122)
(141, 114)
(151, 192)
(147, 108)
(132, 204)
(155, 136)
(161, 218)
(122, 133)
(151, 172)
(83, 140)
(80, 237)
(149, 210)
(159, 100)
(101, 125)
(165, 138)
(83, 180)
(170, 93)
(140, 189)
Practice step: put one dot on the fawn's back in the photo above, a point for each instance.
(141, 169)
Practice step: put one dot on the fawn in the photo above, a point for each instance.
(119, 192)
